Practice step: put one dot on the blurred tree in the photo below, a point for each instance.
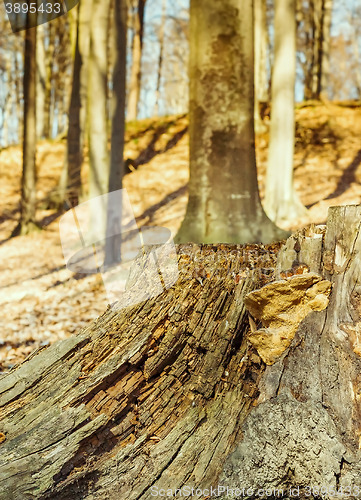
(50, 61)
(137, 18)
(224, 204)
(40, 81)
(281, 202)
(69, 188)
(314, 29)
(160, 59)
(118, 63)
(28, 182)
(97, 106)
(260, 62)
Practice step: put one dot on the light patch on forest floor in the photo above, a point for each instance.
(41, 301)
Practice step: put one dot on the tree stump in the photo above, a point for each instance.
(192, 390)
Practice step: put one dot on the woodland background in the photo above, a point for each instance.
(42, 301)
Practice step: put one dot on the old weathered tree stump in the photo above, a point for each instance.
(190, 389)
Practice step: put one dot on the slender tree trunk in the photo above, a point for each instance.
(317, 66)
(260, 62)
(78, 103)
(70, 181)
(224, 204)
(114, 217)
(6, 111)
(218, 381)
(160, 59)
(135, 75)
(40, 82)
(18, 96)
(97, 108)
(48, 113)
(317, 48)
(28, 183)
(326, 46)
(281, 202)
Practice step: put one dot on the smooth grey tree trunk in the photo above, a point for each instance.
(224, 204)
(281, 202)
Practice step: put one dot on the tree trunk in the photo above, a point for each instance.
(260, 63)
(160, 58)
(48, 105)
(160, 387)
(136, 74)
(281, 202)
(97, 108)
(317, 25)
(112, 247)
(69, 186)
(28, 182)
(188, 390)
(40, 82)
(77, 107)
(326, 47)
(224, 204)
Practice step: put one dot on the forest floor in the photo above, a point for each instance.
(42, 301)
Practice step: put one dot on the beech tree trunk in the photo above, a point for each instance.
(281, 201)
(223, 204)
(189, 389)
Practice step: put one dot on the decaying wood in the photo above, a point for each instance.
(190, 388)
(305, 430)
(149, 396)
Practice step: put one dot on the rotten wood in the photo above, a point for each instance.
(176, 391)
(149, 396)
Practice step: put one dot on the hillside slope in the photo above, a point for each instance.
(41, 301)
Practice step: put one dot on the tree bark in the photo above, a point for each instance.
(158, 389)
(189, 389)
(224, 204)
(281, 202)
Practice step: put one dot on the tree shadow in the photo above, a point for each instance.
(347, 178)
(147, 154)
(148, 214)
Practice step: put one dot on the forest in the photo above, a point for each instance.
(180, 213)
